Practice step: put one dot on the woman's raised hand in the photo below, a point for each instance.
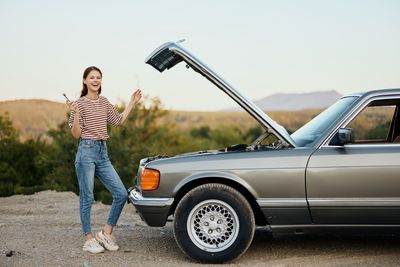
(73, 106)
(136, 96)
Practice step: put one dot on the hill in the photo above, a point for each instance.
(291, 120)
(33, 118)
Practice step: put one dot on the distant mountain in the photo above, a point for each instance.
(293, 102)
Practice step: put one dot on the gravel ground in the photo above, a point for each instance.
(44, 230)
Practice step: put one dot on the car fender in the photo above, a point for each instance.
(215, 174)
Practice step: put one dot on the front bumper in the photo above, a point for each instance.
(154, 211)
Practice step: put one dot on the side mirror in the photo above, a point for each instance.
(342, 137)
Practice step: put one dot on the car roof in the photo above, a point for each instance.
(389, 91)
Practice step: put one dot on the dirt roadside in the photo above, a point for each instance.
(44, 230)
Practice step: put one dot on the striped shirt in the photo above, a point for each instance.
(94, 116)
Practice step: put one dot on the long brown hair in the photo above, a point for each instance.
(85, 74)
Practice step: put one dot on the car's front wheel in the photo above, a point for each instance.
(214, 223)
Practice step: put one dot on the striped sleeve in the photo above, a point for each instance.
(72, 118)
(113, 116)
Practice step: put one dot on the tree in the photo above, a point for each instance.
(142, 135)
(21, 171)
(7, 131)
(60, 160)
(201, 132)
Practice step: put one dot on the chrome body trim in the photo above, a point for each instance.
(136, 198)
(354, 202)
(283, 203)
(365, 145)
(330, 226)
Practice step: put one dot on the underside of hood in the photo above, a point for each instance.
(169, 54)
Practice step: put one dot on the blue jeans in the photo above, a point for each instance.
(92, 160)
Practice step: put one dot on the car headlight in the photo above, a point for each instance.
(150, 180)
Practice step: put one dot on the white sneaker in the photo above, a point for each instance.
(92, 246)
(107, 241)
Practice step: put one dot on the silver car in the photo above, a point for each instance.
(340, 171)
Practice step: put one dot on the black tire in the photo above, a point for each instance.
(214, 223)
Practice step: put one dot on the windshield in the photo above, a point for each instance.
(311, 131)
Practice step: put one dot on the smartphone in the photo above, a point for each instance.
(66, 97)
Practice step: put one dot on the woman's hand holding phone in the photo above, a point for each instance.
(71, 104)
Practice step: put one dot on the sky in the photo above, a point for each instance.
(260, 47)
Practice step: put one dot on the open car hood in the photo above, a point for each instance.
(169, 54)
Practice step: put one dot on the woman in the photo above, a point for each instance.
(88, 121)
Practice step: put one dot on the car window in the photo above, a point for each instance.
(310, 132)
(373, 124)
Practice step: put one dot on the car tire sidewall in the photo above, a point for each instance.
(225, 194)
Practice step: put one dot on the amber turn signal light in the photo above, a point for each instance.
(150, 180)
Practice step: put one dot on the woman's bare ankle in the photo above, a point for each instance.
(88, 237)
(108, 229)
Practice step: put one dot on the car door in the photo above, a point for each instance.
(359, 183)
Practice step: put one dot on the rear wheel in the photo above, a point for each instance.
(214, 223)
